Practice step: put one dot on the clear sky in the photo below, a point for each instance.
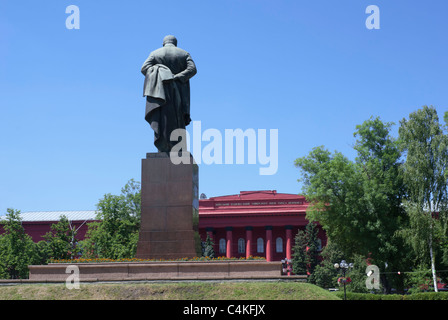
(72, 122)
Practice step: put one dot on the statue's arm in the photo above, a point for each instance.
(189, 72)
(147, 64)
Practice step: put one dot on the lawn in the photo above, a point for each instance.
(243, 290)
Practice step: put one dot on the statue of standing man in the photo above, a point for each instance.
(167, 73)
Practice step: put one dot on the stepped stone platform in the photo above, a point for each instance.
(170, 270)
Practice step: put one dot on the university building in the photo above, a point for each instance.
(254, 223)
(251, 223)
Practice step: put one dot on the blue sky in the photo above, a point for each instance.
(71, 105)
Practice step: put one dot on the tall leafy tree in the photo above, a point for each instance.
(331, 184)
(17, 249)
(358, 202)
(380, 163)
(425, 174)
(116, 235)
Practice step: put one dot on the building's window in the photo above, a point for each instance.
(241, 245)
(222, 245)
(279, 244)
(260, 245)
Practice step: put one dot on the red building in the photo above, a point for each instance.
(257, 223)
(37, 224)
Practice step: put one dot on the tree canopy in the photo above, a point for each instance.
(364, 204)
(116, 235)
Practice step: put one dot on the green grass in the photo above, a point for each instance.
(169, 291)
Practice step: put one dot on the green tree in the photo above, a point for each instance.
(116, 235)
(312, 247)
(325, 274)
(425, 175)
(357, 274)
(358, 203)
(420, 279)
(305, 251)
(380, 162)
(60, 242)
(208, 248)
(330, 183)
(17, 249)
(298, 256)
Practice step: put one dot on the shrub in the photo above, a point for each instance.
(414, 296)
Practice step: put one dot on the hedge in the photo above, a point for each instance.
(414, 296)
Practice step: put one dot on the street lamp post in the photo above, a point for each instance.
(286, 266)
(343, 266)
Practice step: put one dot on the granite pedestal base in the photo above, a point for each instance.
(169, 202)
(166, 270)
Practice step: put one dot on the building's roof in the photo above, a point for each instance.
(254, 202)
(253, 208)
(257, 195)
(56, 215)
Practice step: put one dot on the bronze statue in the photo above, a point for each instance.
(167, 89)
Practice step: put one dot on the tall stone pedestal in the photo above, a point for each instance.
(169, 203)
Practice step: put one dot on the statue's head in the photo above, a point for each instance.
(170, 39)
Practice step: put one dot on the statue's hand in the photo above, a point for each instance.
(178, 77)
